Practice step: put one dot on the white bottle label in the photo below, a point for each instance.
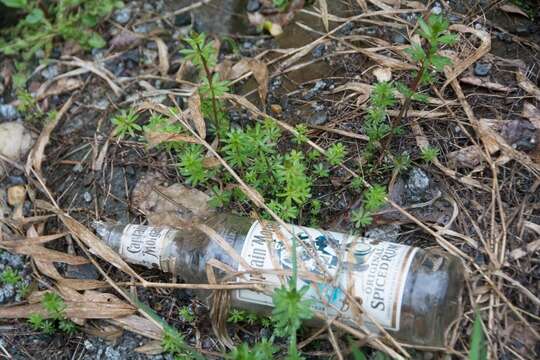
(378, 276)
(143, 244)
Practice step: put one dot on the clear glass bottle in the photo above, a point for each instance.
(415, 294)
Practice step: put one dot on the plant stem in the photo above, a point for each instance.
(394, 123)
(292, 282)
(208, 74)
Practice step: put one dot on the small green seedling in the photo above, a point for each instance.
(10, 276)
(55, 307)
(186, 314)
(126, 124)
(429, 154)
(478, 350)
(203, 54)
(336, 153)
(262, 350)
(374, 198)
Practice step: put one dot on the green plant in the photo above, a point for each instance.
(478, 350)
(186, 314)
(290, 307)
(203, 54)
(429, 154)
(281, 4)
(435, 35)
(236, 316)
(402, 162)
(55, 307)
(336, 153)
(173, 342)
(262, 350)
(191, 165)
(46, 21)
(376, 125)
(374, 198)
(126, 123)
(10, 276)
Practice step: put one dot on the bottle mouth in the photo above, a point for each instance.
(101, 229)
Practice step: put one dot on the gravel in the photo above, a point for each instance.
(8, 112)
(50, 72)
(253, 5)
(122, 16)
(318, 118)
(417, 186)
(97, 348)
(388, 233)
(12, 292)
(318, 51)
(482, 69)
(319, 85)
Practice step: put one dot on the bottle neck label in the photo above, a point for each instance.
(143, 245)
(373, 271)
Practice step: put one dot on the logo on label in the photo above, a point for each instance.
(378, 269)
(143, 244)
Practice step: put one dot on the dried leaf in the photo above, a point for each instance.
(163, 54)
(139, 325)
(39, 252)
(96, 245)
(260, 73)
(36, 156)
(74, 309)
(165, 204)
(461, 65)
(15, 140)
(98, 70)
(324, 13)
(532, 113)
(151, 348)
(364, 90)
(527, 85)
(530, 248)
(194, 106)
(62, 86)
(211, 162)
(513, 9)
(362, 4)
(156, 138)
(125, 40)
(382, 74)
(473, 80)
(467, 157)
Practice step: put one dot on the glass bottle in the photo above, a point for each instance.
(414, 293)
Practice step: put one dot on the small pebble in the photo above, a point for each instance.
(388, 233)
(318, 51)
(50, 71)
(398, 38)
(8, 112)
(181, 20)
(253, 5)
(503, 37)
(318, 118)
(482, 69)
(523, 30)
(87, 197)
(417, 186)
(436, 9)
(122, 16)
(276, 108)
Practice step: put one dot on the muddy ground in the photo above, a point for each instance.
(91, 175)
